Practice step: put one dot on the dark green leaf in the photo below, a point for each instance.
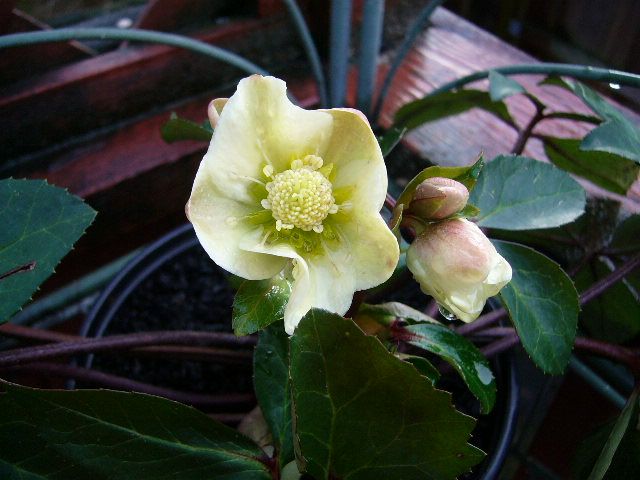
(445, 104)
(502, 87)
(543, 305)
(463, 355)
(468, 176)
(259, 303)
(361, 413)
(178, 128)
(617, 135)
(607, 170)
(390, 139)
(614, 316)
(271, 381)
(39, 224)
(628, 416)
(423, 366)
(520, 193)
(66, 435)
(625, 463)
(387, 313)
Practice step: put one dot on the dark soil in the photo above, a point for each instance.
(188, 293)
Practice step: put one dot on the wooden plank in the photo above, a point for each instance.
(452, 48)
(167, 15)
(95, 93)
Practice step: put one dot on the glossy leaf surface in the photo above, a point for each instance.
(259, 303)
(445, 104)
(461, 354)
(273, 389)
(39, 224)
(520, 193)
(543, 305)
(361, 413)
(607, 170)
(83, 434)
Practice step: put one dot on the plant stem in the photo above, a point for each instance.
(66, 34)
(603, 284)
(525, 133)
(576, 71)
(482, 321)
(612, 351)
(120, 342)
(97, 378)
(210, 354)
(499, 346)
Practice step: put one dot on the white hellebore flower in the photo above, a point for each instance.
(282, 189)
(458, 266)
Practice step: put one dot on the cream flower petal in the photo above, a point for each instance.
(324, 281)
(355, 152)
(374, 249)
(260, 125)
(214, 221)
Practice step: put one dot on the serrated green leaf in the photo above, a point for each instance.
(520, 193)
(273, 389)
(617, 135)
(543, 305)
(445, 104)
(390, 139)
(39, 225)
(614, 316)
(463, 355)
(259, 303)
(424, 366)
(501, 86)
(177, 128)
(68, 435)
(613, 172)
(361, 413)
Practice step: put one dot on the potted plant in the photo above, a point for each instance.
(289, 200)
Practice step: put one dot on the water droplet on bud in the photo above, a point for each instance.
(446, 313)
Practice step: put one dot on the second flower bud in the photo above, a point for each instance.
(437, 198)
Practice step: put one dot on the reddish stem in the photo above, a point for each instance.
(96, 377)
(121, 342)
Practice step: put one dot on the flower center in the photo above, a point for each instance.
(301, 196)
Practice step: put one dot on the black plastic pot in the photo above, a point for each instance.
(498, 427)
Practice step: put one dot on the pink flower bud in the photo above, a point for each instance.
(437, 198)
(458, 266)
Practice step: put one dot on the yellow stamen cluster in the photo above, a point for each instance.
(300, 197)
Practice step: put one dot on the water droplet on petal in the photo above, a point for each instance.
(446, 313)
